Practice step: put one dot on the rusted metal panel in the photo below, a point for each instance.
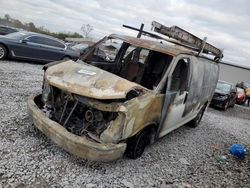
(88, 81)
(142, 111)
(152, 45)
(188, 38)
(80, 146)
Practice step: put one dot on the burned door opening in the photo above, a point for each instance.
(145, 67)
(180, 76)
(134, 63)
(176, 96)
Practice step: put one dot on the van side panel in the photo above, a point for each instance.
(204, 78)
(201, 85)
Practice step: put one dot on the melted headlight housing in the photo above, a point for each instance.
(113, 132)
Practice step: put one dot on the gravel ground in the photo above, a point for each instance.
(185, 158)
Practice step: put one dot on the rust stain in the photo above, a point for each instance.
(153, 45)
(101, 84)
(150, 113)
(88, 81)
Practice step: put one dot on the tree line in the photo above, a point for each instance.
(11, 22)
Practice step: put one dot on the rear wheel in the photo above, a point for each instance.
(136, 145)
(3, 52)
(196, 121)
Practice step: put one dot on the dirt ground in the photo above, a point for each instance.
(185, 158)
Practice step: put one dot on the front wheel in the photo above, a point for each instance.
(136, 145)
(196, 121)
(3, 52)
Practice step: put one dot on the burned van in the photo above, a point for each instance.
(102, 108)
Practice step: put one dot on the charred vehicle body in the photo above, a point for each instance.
(101, 110)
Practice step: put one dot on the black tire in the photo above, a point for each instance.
(3, 52)
(136, 145)
(196, 121)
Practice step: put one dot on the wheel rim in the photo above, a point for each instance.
(1, 52)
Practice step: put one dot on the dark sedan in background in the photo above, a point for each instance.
(35, 47)
(4, 30)
(224, 96)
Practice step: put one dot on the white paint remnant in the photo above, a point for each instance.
(85, 71)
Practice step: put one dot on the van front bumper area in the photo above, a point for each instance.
(80, 146)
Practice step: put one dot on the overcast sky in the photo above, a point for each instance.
(225, 23)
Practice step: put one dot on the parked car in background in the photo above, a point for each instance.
(36, 47)
(99, 54)
(240, 96)
(224, 95)
(81, 47)
(4, 30)
(69, 44)
(243, 85)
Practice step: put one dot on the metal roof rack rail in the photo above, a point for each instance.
(181, 38)
(188, 39)
(152, 35)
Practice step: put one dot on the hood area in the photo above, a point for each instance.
(87, 80)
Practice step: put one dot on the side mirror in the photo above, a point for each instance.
(24, 40)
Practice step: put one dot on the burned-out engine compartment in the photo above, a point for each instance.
(75, 113)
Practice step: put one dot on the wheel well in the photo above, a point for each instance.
(151, 131)
(146, 134)
(5, 47)
(151, 127)
(67, 56)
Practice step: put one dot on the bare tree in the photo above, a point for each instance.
(86, 30)
(7, 17)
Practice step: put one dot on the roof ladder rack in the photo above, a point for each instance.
(189, 39)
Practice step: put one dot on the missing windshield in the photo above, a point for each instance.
(132, 62)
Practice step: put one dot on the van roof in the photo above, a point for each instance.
(153, 45)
